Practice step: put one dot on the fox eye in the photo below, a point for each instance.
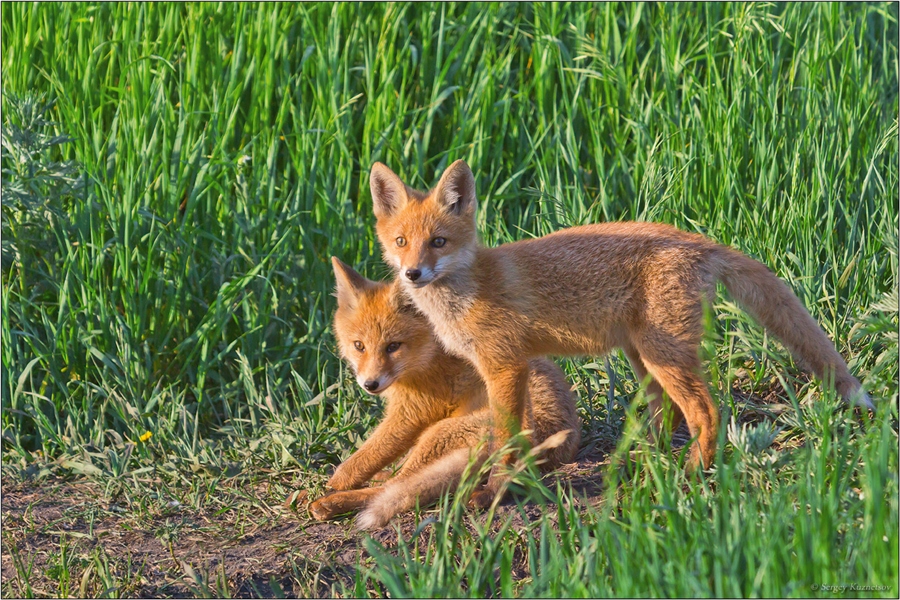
(401, 241)
(393, 347)
(359, 346)
(438, 242)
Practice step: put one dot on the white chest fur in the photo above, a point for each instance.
(447, 309)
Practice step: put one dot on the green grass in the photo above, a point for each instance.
(174, 276)
(750, 529)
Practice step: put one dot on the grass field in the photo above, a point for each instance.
(169, 372)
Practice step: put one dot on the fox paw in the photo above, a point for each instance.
(295, 499)
(331, 506)
(321, 509)
(481, 499)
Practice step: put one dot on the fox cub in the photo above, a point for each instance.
(581, 291)
(436, 405)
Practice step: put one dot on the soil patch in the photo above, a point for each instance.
(167, 549)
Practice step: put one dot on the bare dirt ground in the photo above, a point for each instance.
(61, 531)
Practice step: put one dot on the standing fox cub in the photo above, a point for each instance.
(436, 405)
(583, 290)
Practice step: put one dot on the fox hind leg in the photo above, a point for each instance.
(661, 409)
(444, 437)
(675, 365)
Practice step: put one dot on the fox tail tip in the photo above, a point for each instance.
(369, 520)
(863, 399)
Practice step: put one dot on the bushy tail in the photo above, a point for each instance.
(772, 303)
(424, 487)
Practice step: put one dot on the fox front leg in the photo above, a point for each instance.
(390, 439)
(341, 503)
(507, 388)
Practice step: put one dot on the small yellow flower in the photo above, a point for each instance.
(147, 435)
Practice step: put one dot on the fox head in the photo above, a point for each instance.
(379, 332)
(426, 236)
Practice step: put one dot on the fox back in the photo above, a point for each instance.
(582, 291)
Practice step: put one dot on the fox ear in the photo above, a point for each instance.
(388, 191)
(350, 284)
(456, 189)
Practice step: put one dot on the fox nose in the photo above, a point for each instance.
(371, 385)
(413, 274)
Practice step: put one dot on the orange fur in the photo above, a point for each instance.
(436, 404)
(581, 291)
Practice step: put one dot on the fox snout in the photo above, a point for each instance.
(419, 276)
(375, 385)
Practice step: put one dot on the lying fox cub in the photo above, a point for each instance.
(436, 404)
(581, 291)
